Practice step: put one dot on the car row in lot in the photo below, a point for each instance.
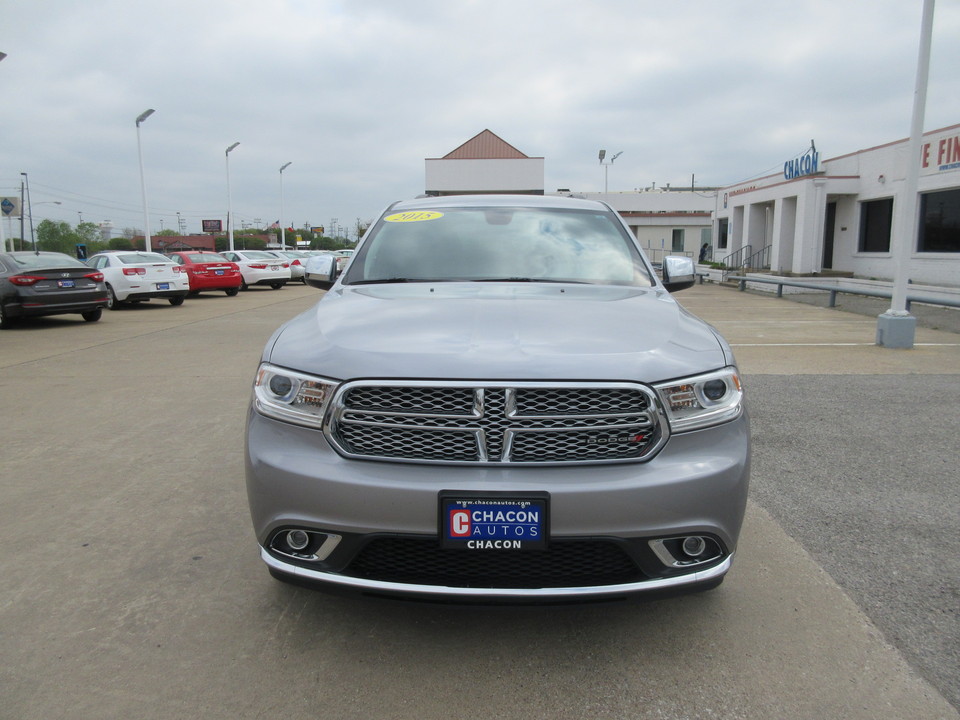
(33, 283)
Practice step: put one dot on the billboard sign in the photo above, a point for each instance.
(212, 226)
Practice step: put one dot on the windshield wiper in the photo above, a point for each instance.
(529, 280)
(385, 281)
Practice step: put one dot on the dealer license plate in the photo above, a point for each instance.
(219, 272)
(163, 286)
(66, 283)
(493, 521)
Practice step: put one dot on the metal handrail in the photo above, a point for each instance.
(760, 259)
(735, 259)
(834, 290)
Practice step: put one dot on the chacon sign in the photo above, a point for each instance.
(806, 164)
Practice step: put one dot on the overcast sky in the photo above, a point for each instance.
(357, 94)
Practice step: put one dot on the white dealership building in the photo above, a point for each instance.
(839, 213)
(817, 215)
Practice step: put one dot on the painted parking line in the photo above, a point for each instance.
(835, 345)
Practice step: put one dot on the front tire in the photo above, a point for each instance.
(92, 315)
(175, 301)
(276, 286)
(232, 292)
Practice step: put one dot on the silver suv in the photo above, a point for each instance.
(498, 401)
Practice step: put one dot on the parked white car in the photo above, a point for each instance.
(296, 258)
(259, 267)
(135, 276)
(343, 257)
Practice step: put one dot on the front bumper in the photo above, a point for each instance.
(697, 485)
(690, 580)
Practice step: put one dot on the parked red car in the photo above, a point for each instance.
(209, 271)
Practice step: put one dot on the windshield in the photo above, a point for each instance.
(500, 243)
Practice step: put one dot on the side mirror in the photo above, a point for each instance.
(678, 272)
(320, 271)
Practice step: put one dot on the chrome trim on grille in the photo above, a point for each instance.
(496, 422)
(595, 591)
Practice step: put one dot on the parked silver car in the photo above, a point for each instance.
(499, 401)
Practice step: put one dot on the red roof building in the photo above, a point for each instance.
(484, 164)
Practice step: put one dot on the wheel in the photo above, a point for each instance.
(276, 286)
(6, 321)
(232, 291)
(243, 285)
(112, 302)
(92, 315)
(176, 300)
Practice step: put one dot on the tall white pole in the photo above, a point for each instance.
(143, 183)
(229, 201)
(283, 229)
(896, 327)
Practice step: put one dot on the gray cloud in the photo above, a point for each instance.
(357, 94)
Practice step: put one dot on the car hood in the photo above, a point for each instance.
(497, 331)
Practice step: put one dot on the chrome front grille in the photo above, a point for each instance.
(516, 423)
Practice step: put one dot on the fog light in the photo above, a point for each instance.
(694, 546)
(298, 540)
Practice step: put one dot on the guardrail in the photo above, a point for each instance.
(835, 290)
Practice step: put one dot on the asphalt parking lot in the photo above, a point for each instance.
(133, 588)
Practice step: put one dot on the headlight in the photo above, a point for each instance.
(701, 401)
(291, 396)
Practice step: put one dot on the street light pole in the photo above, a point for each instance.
(896, 328)
(606, 166)
(283, 229)
(229, 201)
(143, 183)
(29, 214)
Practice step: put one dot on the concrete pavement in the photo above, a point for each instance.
(132, 585)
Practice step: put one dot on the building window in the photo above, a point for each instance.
(677, 241)
(876, 221)
(940, 222)
(722, 231)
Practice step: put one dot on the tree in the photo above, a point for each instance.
(89, 233)
(120, 243)
(56, 237)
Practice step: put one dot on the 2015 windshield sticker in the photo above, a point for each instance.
(413, 216)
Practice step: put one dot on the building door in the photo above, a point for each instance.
(828, 236)
(676, 241)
